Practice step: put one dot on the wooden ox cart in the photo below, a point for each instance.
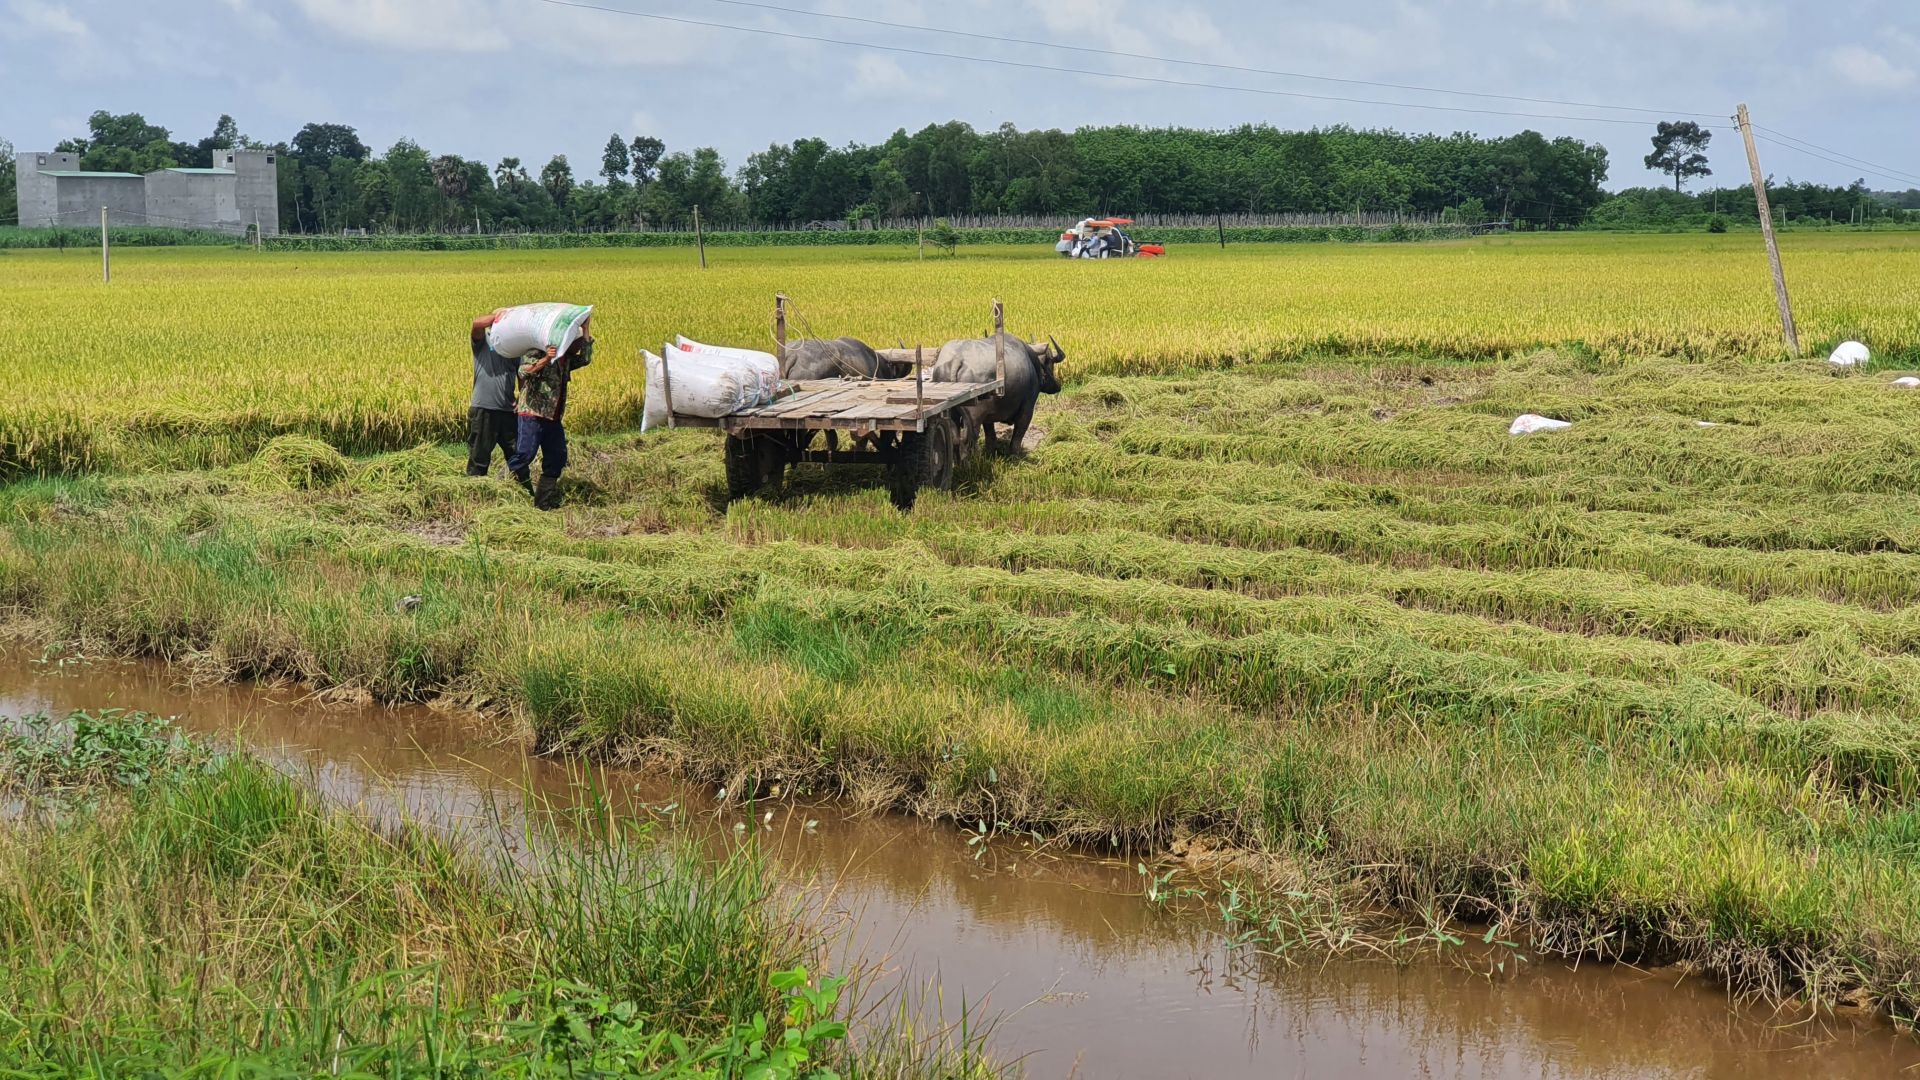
(917, 431)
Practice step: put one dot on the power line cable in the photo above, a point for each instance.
(1813, 148)
(1836, 161)
(1124, 55)
(1002, 62)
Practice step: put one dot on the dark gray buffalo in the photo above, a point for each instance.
(1029, 374)
(813, 358)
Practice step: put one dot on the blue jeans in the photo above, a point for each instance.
(548, 438)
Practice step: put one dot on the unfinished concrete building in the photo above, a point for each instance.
(240, 190)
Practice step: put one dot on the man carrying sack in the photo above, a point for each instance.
(542, 344)
(543, 406)
(490, 413)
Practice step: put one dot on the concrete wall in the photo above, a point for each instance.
(192, 200)
(257, 186)
(81, 197)
(37, 199)
(167, 198)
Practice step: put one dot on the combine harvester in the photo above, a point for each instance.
(1104, 238)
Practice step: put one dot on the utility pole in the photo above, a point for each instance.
(106, 269)
(699, 237)
(1787, 328)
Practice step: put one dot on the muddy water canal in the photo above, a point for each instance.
(1087, 978)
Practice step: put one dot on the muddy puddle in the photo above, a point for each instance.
(1087, 979)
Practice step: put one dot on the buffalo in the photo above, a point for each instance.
(1029, 374)
(813, 358)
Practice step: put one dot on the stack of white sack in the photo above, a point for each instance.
(706, 382)
(518, 332)
(765, 363)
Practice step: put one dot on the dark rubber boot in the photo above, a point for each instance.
(525, 480)
(547, 495)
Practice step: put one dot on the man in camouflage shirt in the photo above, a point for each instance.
(542, 409)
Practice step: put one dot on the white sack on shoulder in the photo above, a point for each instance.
(532, 328)
(1528, 423)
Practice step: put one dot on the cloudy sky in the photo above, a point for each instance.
(530, 78)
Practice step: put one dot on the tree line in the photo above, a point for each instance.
(331, 180)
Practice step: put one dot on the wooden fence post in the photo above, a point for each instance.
(1787, 327)
(999, 348)
(666, 381)
(780, 333)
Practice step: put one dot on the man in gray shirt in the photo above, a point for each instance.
(491, 421)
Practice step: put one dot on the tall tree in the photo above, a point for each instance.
(374, 195)
(557, 177)
(319, 143)
(124, 142)
(1679, 148)
(614, 160)
(416, 200)
(324, 158)
(644, 157)
(226, 134)
(450, 177)
(509, 173)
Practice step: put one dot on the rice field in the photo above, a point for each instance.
(1274, 578)
(198, 356)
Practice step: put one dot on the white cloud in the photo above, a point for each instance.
(1865, 69)
(883, 77)
(438, 25)
(1716, 15)
(248, 14)
(49, 19)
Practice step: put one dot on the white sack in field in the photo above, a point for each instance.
(1850, 354)
(1528, 423)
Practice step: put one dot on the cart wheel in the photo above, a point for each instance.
(966, 438)
(753, 463)
(925, 460)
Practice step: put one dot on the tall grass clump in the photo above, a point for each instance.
(169, 910)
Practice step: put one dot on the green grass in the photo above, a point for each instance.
(1646, 687)
(12, 237)
(168, 911)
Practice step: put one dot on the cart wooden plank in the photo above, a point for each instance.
(857, 405)
(809, 403)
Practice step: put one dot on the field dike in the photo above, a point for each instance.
(1644, 687)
